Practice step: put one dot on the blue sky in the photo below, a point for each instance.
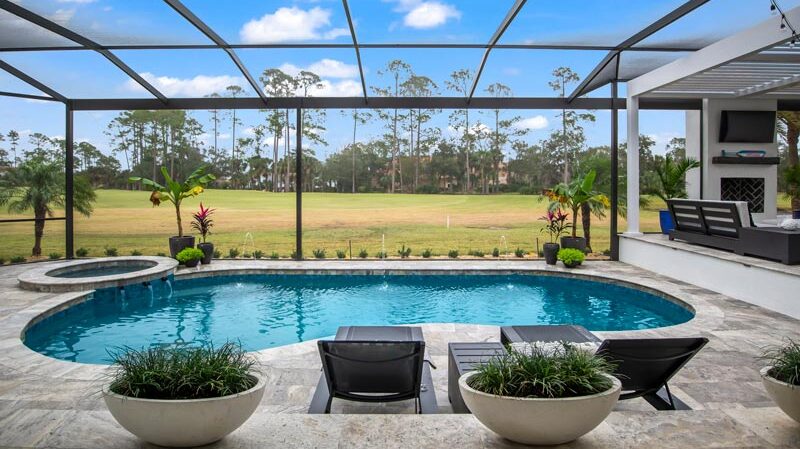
(193, 73)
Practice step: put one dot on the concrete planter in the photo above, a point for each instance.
(185, 422)
(786, 396)
(539, 421)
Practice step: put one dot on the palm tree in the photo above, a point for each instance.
(672, 177)
(580, 195)
(39, 185)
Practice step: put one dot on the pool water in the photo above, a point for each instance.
(264, 311)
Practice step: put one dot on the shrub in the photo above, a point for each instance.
(476, 253)
(274, 255)
(136, 252)
(82, 252)
(319, 253)
(427, 188)
(381, 255)
(182, 372)
(217, 254)
(571, 257)
(427, 253)
(247, 256)
(404, 252)
(785, 362)
(111, 252)
(54, 256)
(233, 253)
(453, 254)
(363, 254)
(519, 252)
(341, 254)
(496, 252)
(2, 260)
(560, 372)
(188, 255)
(258, 254)
(526, 190)
(18, 259)
(293, 254)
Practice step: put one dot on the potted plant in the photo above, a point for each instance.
(190, 257)
(572, 196)
(672, 184)
(541, 396)
(175, 192)
(792, 178)
(183, 396)
(556, 224)
(571, 257)
(202, 223)
(781, 378)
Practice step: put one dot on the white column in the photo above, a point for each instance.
(633, 166)
(693, 136)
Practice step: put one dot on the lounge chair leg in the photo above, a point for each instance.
(321, 402)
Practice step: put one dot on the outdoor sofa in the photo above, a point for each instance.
(727, 225)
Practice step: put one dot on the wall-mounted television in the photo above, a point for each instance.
(747, 126)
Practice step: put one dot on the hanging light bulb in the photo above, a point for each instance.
(772, 8)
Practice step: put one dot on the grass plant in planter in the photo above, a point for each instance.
(542, 395)
(202, 223)
(189, 257)
(571, 257)
(183, 396)
(781, 378)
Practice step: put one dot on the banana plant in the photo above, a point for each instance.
(174, 191)
(575, 194)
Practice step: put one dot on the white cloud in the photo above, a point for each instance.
(344, 88)
(291, 24)
(62, 16)
(426, 14)
(325, 68)
(535, 122)
(661, 140)
(512, 71)
(198, 86)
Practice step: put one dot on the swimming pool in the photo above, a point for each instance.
(264, 311)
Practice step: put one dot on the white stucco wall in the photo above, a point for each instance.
(712, 173)
(766, 288)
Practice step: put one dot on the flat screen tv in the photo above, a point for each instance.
(747, 126)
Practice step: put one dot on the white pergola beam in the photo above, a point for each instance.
(753, 40)
(769, 87)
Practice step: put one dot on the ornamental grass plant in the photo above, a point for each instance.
(562, 371)
(182, 372)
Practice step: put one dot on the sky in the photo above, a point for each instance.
(196, 73)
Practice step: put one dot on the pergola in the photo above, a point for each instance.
(611, 70)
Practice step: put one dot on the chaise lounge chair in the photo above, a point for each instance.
(644, 365)
(375, 364)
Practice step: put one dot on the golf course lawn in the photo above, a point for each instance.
(253, 220)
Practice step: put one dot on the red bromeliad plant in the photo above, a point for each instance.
(556, 223)
(202, 222)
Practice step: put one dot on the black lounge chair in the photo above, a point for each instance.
(645, 365)
(368, 370)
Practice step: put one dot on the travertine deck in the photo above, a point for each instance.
(49, 403)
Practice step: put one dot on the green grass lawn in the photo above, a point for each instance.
(251, 220)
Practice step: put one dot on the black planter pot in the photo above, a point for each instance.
(208, 252)
(796, 214)
(578, 243)
(192, 263)
(176, 244)
(551, 253)
(571, 265)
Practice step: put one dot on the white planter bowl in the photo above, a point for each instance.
(184, 422)
(787, 396)
(539, 421)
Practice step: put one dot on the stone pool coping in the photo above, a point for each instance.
(38, 278)
(12, 332)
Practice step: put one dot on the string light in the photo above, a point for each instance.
(775, 9)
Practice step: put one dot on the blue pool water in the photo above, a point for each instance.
(263, 311)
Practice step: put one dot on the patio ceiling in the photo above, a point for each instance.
(760, 62)
(634, 46)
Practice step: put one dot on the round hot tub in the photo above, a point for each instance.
(81, 275)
